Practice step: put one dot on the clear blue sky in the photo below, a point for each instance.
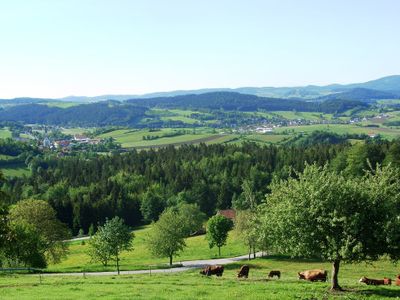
(56, 48)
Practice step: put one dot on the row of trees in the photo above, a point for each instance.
(166, 237)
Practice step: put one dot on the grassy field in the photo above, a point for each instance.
(134, 138)
(62, 104)
(5, 133)
(74, 130)
(192, 285)
(140, 258)
(17, 170)
(386, 132)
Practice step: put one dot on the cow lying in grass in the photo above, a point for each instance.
(398, 280)
(314, 275)
(213, 270)
(369, 281)
(243, 272)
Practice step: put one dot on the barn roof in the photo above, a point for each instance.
(228, 213)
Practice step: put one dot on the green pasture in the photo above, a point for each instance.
(5, 133)
(141, 258)
(61, 104)
(386, 132)
(192, 285)
(74, 130)
(134, 138)
(17, 170)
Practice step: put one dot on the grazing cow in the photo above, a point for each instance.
(274, 273)
(398, 280)
(314, 275)
(369, 281)
(213, 270)
(243, 272)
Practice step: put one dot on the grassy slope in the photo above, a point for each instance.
(17, 170)
(140, 258)
(191, 285)
(134, 138)
(342, 129)
(5, 133)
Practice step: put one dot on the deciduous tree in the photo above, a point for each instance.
(109, 241)
(326, 215)
(217, 231)
(167, 236)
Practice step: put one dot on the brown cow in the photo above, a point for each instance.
(398, 280)
(314, 275)
(369, 281)
(243, 272)
(274, 273)
(213, 270)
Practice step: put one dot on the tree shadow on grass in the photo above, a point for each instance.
(291, 259)
(382, 292)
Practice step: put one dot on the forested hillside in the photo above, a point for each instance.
(243, 102)
(137, 186)
(95, 114)
(131, 112)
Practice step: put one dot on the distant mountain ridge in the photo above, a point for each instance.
(388, 86)
(131, 112)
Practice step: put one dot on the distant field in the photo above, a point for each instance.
(341, 129)
(5, 133)
(134, 138)
(62, 104)
(74, 130)
(15, 170)
(265, 138)
(192, 285)
(6, 157)
(140, 258)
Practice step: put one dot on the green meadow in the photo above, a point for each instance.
(15, 170)
(192, 285)
(5, 133)
(135, 138)
(385, 132)
(140, 257)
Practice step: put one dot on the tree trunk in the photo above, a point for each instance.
(219, 251)
(254, 252)
(250, 253)
(170, 260)
(117, 264)
(335, 271)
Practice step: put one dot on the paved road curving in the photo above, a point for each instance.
(186, 265)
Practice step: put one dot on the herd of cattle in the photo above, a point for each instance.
(310, 275)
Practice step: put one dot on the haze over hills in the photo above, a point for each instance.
(388, 87)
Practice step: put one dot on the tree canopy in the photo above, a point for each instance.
(217, 231)
(109, 241)
(39, 216)
(167, 235)
(325, 215)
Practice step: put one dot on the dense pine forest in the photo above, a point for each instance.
(87, 188)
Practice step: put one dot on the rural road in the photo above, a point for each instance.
(186, 265)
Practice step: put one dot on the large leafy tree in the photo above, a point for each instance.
(41, 217)
(109, 241)
(326, 215)
(167, 236)
(24, 246)
(217, 231)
